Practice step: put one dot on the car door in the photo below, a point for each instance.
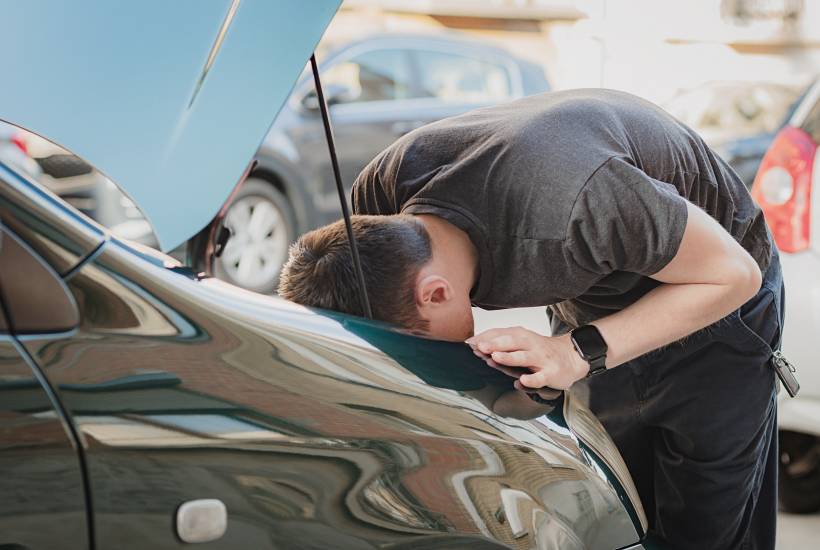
(452, 80)
(368, 89)
(380, 90)
(43, 500)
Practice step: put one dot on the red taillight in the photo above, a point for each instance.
(20, 142)
(782, 188)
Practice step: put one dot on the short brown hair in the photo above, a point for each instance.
(319, 272)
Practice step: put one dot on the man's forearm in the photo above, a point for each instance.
(710, 276)
(666, 314)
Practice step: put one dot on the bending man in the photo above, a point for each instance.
(663, 287)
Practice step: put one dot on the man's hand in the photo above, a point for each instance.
(551, 361)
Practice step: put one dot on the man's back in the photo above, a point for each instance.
(578, 191)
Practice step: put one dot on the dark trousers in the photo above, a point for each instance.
(696, 423)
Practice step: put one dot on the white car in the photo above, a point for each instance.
(787, 189)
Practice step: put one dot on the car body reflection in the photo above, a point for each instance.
(317, 426)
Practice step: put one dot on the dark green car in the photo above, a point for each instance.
(145, 406)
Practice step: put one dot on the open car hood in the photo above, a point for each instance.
(170, 100)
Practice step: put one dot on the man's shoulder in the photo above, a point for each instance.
(597, 108)
(554, 141)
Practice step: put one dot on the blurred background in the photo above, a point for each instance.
(741, 72)
(731, 69)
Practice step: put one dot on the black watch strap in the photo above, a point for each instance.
(597, 366)
(591, 346)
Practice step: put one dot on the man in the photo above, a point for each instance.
(618, 217)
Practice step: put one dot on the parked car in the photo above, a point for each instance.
(786, 187)
(142, 406)
(737, 119)
(378, 88)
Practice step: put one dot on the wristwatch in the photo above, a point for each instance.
(591, 346)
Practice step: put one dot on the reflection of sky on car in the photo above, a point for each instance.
(214, 402)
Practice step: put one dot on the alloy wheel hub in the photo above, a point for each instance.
(258, 244)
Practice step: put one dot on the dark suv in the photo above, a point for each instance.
(379, 88)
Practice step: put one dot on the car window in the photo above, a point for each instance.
(378, 75)
(460, 78)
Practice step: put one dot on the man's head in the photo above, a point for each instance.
(408, 277)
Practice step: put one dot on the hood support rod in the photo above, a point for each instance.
(334, 161)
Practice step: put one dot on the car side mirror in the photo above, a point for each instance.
(34, 296)
(334, 94)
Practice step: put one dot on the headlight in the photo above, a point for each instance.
(586, 426)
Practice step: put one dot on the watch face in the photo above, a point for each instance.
(589, 341)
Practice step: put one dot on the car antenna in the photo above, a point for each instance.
(334, 161)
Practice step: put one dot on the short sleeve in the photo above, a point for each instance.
(624, 220)
(368, 195)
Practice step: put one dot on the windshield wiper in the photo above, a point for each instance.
(354, 250)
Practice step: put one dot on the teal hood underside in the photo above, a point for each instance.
(168, 99)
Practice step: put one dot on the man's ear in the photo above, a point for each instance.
(432, 291)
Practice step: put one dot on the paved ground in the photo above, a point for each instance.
(533, 318)
(793, 532)
(798, 532)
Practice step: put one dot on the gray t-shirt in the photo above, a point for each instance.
(571, 198)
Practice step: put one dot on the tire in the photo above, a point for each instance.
(262, 227)
(799, 483)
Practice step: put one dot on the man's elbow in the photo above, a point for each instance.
(747, 279)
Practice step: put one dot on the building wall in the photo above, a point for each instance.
(653, 48)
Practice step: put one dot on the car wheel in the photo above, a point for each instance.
(799, 484)
(262, 227)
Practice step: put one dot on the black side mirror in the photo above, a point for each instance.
(33, 295)
(334, 93)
